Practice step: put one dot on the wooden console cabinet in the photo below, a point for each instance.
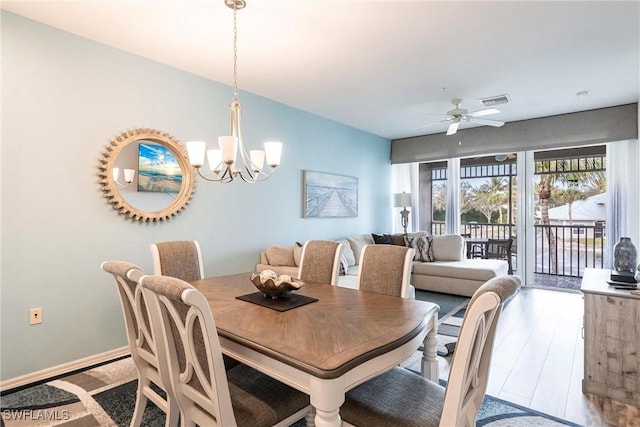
(611, 339)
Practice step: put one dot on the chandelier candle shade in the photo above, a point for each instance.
(403, 200)
(223, 161)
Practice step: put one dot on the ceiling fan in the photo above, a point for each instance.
(459, 115)
(503, 157)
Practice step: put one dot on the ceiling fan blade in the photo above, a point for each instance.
(494, 123)
(453, 127)
(431, 124)
(481, 113)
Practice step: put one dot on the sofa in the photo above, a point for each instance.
(440, 264)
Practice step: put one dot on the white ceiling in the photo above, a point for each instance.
(380, 66)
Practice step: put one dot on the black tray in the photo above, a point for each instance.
(282, 303)
(622, 285)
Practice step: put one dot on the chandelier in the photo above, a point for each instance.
(223, 163)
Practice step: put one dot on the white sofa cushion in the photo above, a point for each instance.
(352, 271)
(448, 247)
(472, 269)
(358, 242)
(347, 252)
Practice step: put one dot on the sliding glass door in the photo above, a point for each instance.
(569, 214)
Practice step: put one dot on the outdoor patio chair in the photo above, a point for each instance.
(499, 249)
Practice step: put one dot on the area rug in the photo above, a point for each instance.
(452, 310)
(105, 396)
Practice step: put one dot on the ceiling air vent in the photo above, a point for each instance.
(495, 100)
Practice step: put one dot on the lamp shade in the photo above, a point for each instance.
(401, 200)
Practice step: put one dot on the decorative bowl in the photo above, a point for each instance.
(274, 286)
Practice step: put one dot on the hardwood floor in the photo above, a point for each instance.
(538, 361)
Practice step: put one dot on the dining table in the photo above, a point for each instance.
(326, 347)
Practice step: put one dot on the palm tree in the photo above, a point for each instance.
(498, 195)
(571, 190)
(593, 182)
(570, 195)
(547, 181)
(492, 196)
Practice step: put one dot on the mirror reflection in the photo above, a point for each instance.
(157, 176)
(145, 175)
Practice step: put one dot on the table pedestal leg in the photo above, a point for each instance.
(326, 398)
(429, 360)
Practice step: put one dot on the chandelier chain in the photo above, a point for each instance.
(223, 162)
(235, 53)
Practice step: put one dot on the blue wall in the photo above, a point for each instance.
(63, 99)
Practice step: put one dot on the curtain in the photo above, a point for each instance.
(452, 215)
(414, 217)
(622, 188)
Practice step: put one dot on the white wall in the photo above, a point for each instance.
(63, 99)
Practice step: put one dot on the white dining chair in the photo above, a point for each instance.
(189, 347)
(402, 398)
(142, 345)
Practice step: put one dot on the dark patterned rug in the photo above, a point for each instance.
(105, 396)
(452, 309)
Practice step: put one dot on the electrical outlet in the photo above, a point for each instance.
(35, 316)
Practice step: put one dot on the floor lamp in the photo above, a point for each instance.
(403, 200)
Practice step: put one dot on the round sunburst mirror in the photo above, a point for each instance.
(145, 175)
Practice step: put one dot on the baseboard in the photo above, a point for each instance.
(63, 369)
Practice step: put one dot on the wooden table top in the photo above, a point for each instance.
(594, 280)
(327, 338)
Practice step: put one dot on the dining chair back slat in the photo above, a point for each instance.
(141, 342)
(320, 261)
(180, 258)
(385, 269)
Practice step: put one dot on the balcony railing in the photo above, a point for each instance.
(478, 230)
(566, 250)
(560, 250)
